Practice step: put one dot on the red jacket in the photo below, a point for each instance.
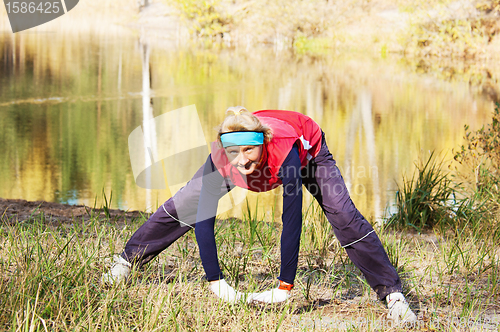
(288, 128)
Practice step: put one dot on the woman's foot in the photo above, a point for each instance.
(399, 309)
(119, 272)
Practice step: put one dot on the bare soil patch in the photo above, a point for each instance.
(14, 210)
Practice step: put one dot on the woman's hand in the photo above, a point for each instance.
(224, 291)
(276, 295)
(271, 296)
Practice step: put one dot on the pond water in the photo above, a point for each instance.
(68, 104)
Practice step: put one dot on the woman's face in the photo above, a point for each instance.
(245, 158)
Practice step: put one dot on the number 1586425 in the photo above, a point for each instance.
(32, 8)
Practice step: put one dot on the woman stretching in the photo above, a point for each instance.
(260, 151)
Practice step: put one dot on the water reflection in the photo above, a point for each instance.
(67, 106)
(361, 116)
(147, 114)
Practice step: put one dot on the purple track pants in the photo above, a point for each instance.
(323, 180)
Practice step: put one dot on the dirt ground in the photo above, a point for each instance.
(13, 210)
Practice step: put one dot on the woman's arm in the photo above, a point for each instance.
(292, 215)
(292, 227)
(205, 220)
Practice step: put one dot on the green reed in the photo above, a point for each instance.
(422, 200)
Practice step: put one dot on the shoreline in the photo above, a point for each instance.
(16, 210)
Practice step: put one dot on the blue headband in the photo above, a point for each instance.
(242, 138)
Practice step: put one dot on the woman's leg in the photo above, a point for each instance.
(163, 227)
(173, 219)
(323, 180)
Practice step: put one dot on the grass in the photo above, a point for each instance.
(424, 200)
(461, 222)
(50, 279)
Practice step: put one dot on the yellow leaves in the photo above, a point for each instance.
(207, 17)
(449, 38)
(489, 6)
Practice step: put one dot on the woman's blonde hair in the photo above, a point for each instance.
(238, 118)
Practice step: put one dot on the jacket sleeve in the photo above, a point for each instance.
(292, 215)
(205, 220)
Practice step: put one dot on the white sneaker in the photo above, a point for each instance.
(119, 272)
(399, 309)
